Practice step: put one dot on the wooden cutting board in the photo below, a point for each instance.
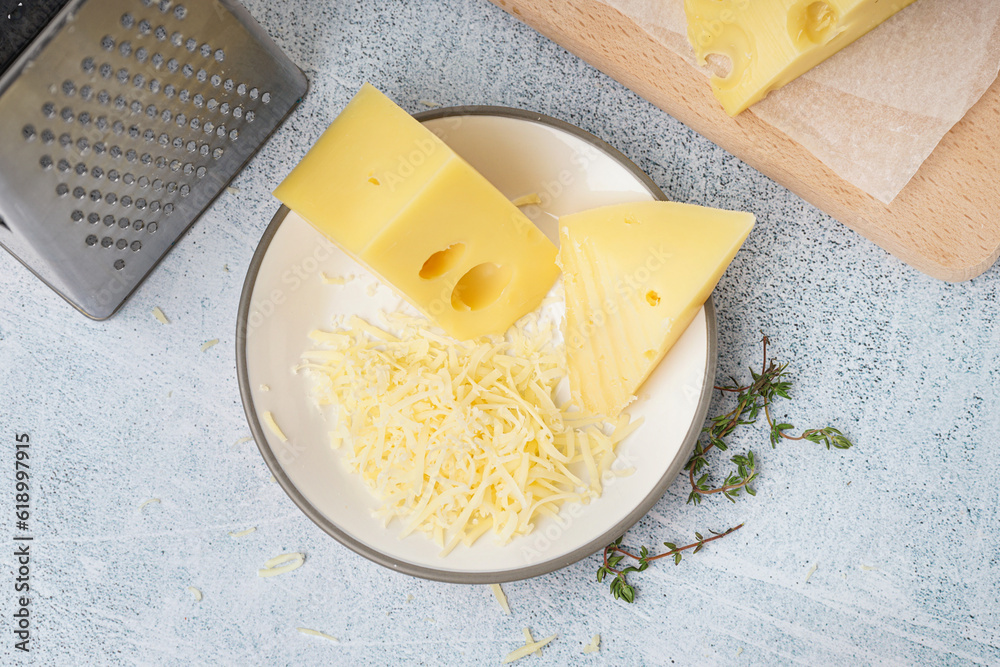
(946, 222)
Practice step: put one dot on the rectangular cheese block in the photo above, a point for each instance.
(635, 277)
(768, 43)
(396, 198)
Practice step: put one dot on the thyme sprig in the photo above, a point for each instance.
(614, 554)
(751, 400)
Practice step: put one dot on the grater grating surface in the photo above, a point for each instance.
(119, 125)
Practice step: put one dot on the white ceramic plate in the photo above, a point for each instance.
(284, 298)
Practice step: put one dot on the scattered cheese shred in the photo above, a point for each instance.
(282, 564)
(147, 502)
(459, 439)
(209, 343)
(336, 280)
(527, 649)
(528, 639)
(594, 646)
(868, 568)
(233, 190)
(242, 533)
(429, 103)
(527, 200)
(273, 425)
(739, 651)
(317, 633)
(242, 440)
(158, 314)
(196, 593)
(811, 572)
(409, 597)
(372, 289)
(501, 597)
(265, 387)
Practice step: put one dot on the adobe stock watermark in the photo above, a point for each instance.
(264, 306)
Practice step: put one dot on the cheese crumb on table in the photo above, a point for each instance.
(501, 597)
(196, 593)
(594, 646)
(317, 633)
(459, 439)
(527, 649)
(158, 314)
(811, 572)
(147, 502)
(242, 533)
(282, 564)
(528, 639)
(209, 343)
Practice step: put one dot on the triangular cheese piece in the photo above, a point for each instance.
(635, 276)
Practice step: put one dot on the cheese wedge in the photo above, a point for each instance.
(391, 194)
(635, 277)
(771, 42)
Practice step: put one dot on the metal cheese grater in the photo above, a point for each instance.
(119, 123)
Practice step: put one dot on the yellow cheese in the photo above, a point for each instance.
(396, 198)
(459, 439)
(635, 276)
(771, 42)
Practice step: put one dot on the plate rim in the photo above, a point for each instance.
(443, 574)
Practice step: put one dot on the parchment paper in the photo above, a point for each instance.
(876, 110)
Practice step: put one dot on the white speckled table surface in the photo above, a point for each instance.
(902, 530)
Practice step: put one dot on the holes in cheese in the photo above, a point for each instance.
(811, 23)
(442, 261)
(480, 287)
(771, 42)
(633, 288)
(428, 198)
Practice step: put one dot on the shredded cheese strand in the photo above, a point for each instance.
(528, 639)
(317, 633)
(242, 533)
(527, 649)
(196, 593)
(274, 566)
(458, 439)
(527, 200)
(273, 425)
(147, 502)
(501, 597)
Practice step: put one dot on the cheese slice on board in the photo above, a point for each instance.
(391, 194)
(771, 42)
(635, 276)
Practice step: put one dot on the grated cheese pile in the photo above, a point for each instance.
(457, 439)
